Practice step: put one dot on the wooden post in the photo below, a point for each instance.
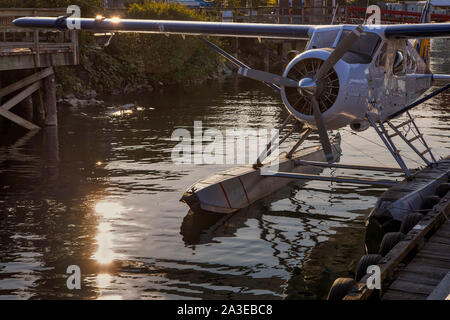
(27, 108)
(51, 116)
(37, 54)
(266, 58)
(51, 146)
(51, 155)
(296, 11)
(1, 102)
(38, 104)
(346, 14)
(284, 11)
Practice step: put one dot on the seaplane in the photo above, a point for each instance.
(359, 76)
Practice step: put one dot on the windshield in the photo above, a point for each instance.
(361, 52)
(363, 49)
(323, 39)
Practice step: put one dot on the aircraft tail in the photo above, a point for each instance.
(423, 45)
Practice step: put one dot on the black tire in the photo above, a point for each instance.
(339, 288)
(429, 202)
(366, 261)
(442, 189)
(389, 241)
(409, 221)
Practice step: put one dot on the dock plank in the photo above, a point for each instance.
(401, 295)
(432, 262)
(441, 256)
(411, 287)
(441, 239)
(442, 290)
(419, 278)
(426, 270)
(428, 267)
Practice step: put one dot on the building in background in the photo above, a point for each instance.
(438, 6)
(113, 3)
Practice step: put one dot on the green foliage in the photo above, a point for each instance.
(168, 59)
(133, 58)
(161, 10)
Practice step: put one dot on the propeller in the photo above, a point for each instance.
(308, 86)
(267, 77)
(339, 52)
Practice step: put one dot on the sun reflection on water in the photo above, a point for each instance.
(106, 211)
(109, 209)
(105, 253)
(103, 280)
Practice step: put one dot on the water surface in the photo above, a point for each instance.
(101, 192)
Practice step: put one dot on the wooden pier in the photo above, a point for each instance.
(427, 276)
(414, 262)
(27, 59)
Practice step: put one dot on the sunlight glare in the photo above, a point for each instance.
(103, 280)
(109, 209)
(104, 254)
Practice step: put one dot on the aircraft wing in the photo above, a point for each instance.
(412, 31)
(224, 29)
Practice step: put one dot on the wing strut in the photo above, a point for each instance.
(235, 61)
(419, 101)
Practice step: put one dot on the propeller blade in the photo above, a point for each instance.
(267, 77)
(324, 139)
(339, 52)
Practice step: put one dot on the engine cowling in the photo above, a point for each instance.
(340, 97)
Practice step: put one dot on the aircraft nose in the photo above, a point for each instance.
(307, 87)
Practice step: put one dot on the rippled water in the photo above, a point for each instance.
(102, 193)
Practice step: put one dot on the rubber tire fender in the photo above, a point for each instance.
(366, 261)
(340, 288)
(389, 241)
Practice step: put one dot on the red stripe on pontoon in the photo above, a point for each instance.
(420, 195)
(245, 191)
(409, 204)
(225, 194)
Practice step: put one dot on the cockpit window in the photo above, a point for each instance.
(361, 52)
(323, 39)
(363, 49)
(381, 60)
(399, 63)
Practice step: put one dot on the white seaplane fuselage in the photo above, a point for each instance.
(378, 86)
(387, 81)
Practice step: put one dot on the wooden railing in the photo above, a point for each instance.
(351, 14)
(20, 41)
(290, 15)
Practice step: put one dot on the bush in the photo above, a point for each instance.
(133, 58)
(168, 59)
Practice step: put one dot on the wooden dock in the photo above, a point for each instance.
(407, 242)
(27, 59)
(414, 264)
(25, 49)
(428, 274)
